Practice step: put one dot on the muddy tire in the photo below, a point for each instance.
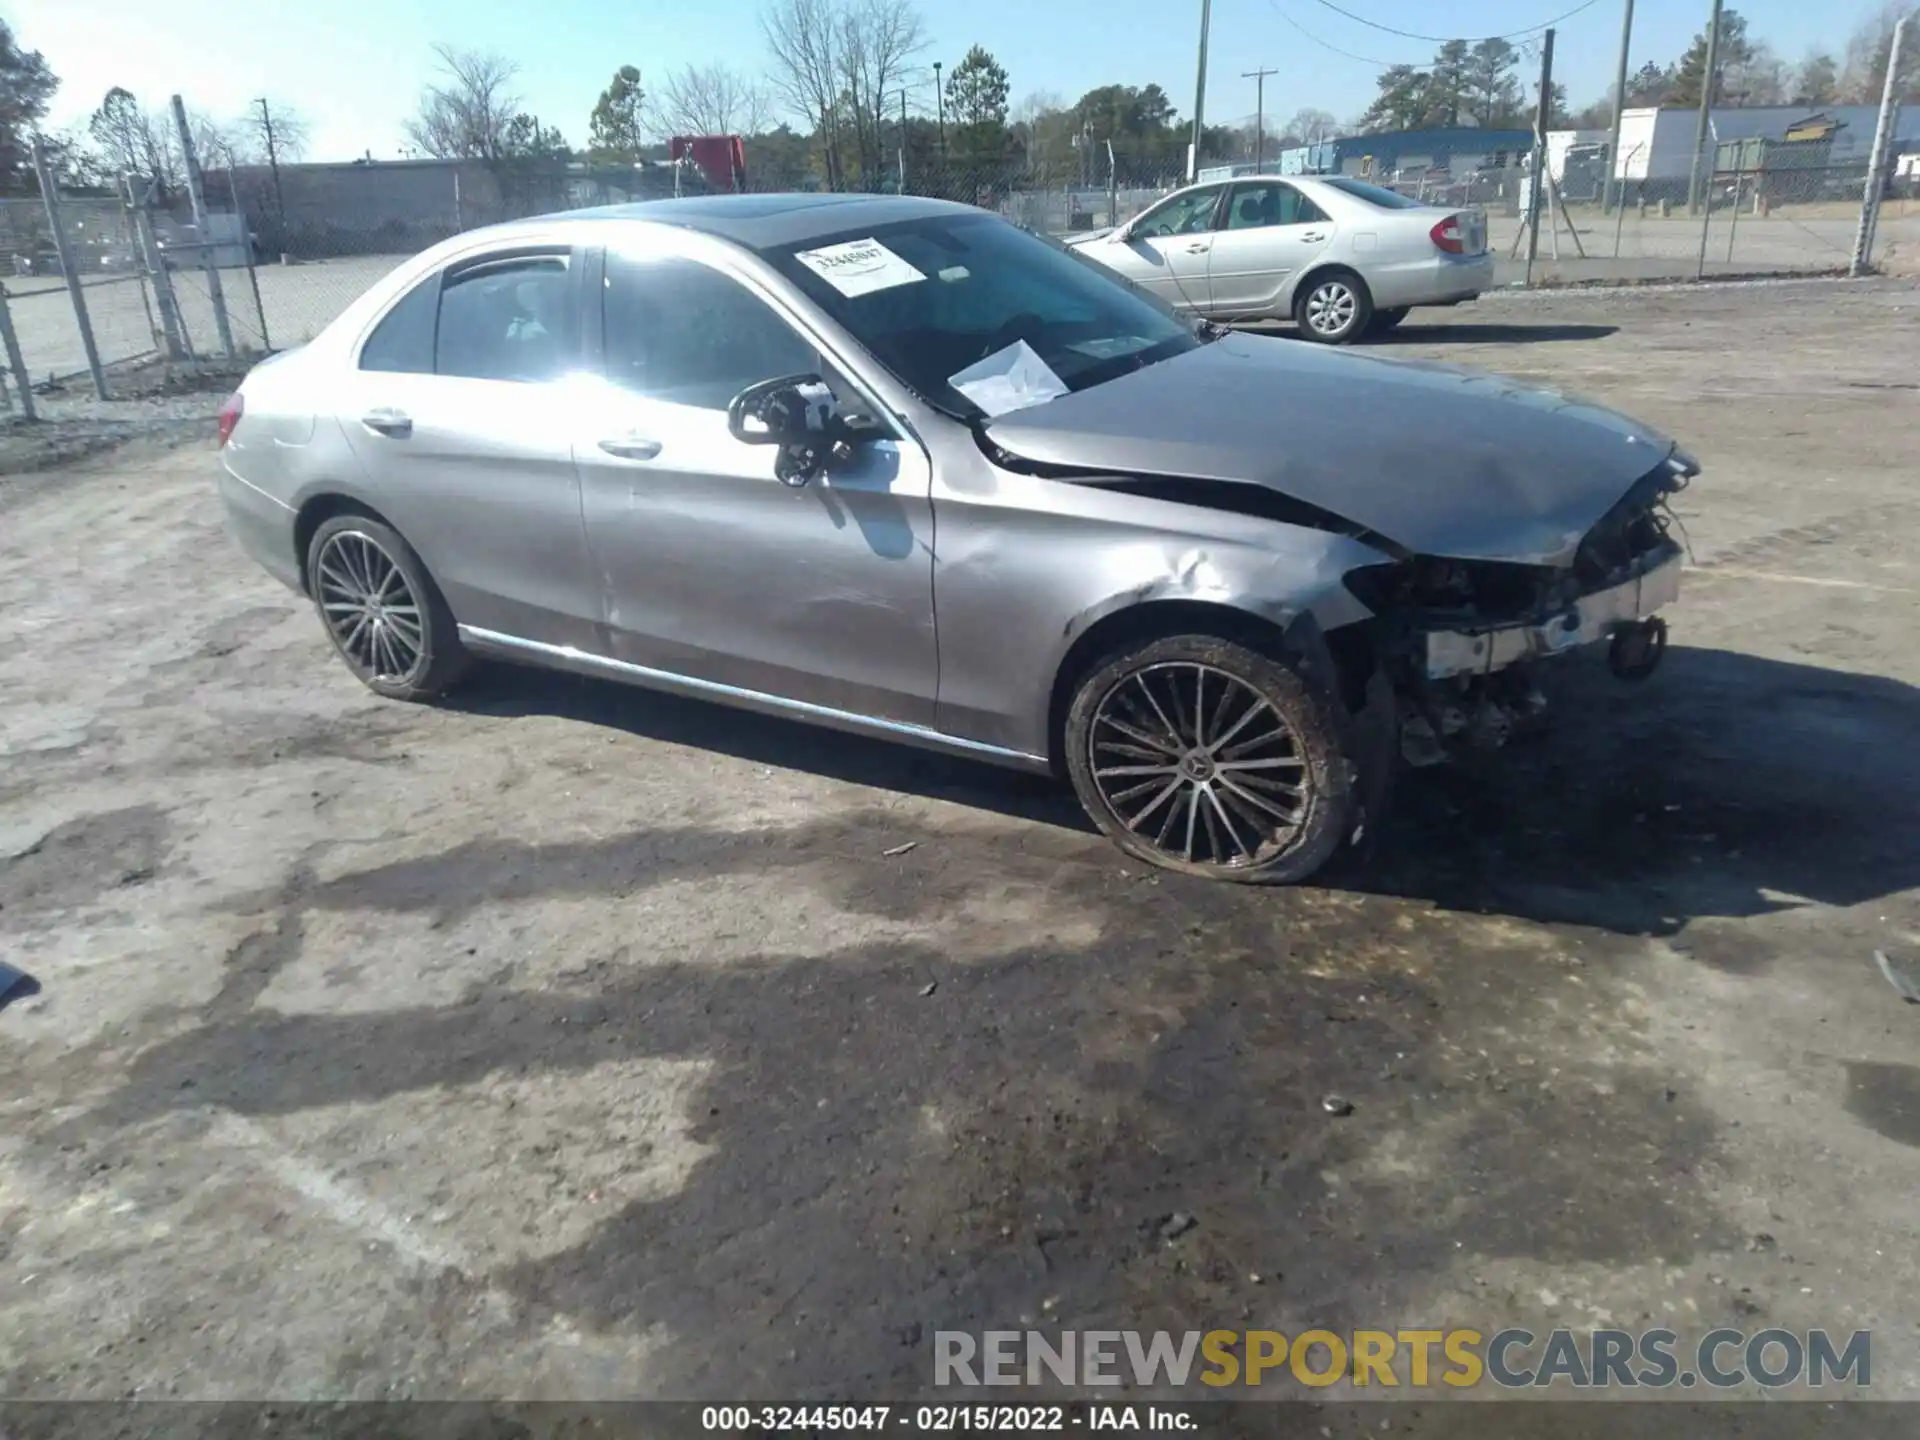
(382, 611)
(1333, 308)
(1207, 758)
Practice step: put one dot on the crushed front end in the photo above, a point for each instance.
(1460, 641)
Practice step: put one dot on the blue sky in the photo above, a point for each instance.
(354, 68)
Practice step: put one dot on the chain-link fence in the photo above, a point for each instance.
(280, 251)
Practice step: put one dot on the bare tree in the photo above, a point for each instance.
(1864, 72)
(133, 140)
(877, 39)
(804, 38)
(274, 132)
(841, 65)
(712, 100)
(466, 116)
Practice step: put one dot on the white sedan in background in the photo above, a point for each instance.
(1340, 256)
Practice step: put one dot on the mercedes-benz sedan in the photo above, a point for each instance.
(896, 466)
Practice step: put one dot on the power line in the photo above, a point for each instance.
(1324, 45)
(1442, 39)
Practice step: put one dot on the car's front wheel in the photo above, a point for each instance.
(1206, 757)
(1334, 307)
(382, 610)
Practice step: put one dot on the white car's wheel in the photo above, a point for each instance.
(1334, 307)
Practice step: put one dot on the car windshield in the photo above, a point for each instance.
(1373, 194)
(933, 298)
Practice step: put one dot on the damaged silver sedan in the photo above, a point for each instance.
(896, 466)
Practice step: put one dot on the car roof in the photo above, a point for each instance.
(761, 221)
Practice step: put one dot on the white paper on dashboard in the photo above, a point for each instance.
(859, 267)
(1010, 379)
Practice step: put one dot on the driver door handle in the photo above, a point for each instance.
(631, 447)
(1201, 248)
(395, 424)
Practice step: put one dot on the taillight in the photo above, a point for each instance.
(1448, 236)
(229, 417)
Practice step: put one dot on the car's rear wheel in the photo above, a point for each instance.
(382, 610)
(1333, 307)
(1385, 320)
(1208, 758)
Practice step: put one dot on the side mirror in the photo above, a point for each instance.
(801, 415)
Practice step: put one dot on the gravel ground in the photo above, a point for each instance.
(563, 1040)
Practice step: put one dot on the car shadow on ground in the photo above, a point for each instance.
(509, 690)
(1727, 786)
(1415, 331)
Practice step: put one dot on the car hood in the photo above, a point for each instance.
(1437, 459)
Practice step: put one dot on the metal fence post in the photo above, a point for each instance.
(246, 239)
(1862, 260)
(215, 293)
(153, 261)
(44, 173)
(16, 362)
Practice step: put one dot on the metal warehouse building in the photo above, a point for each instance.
(1463, 150)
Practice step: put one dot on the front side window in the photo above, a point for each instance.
(1188, 214)
(680, 331)
(506, 320)
(931, 297)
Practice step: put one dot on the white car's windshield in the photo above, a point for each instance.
(933, 297)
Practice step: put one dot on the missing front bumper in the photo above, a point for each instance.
(1587, 621)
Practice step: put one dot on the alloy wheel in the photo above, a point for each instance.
(1331, 307)
(1199, 765)
(369, 607)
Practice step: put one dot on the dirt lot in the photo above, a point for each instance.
(569, 1041)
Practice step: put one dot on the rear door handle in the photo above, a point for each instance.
(1198, 249)
(396, 424)
(1316, 237)
(631, 447)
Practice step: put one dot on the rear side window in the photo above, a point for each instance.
(1373, 194)
(403, 341)
(681, 331)
(506, 320)
(509, 319)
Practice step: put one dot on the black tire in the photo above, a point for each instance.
(343, 563)
(1339, 294)
(1385, 320)
(1107, 721)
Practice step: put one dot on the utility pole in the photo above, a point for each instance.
(1259, 78)
(273, 155)
(1700, 129)
(903, 139)
(940, 106)
(1613, 189)
(1542, 118)
(1200, 90)
(1876, 189)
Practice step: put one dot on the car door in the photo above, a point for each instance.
(454, 413)
(715, 570)
(1269, 233)
(1165, 249)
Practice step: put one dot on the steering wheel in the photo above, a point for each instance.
(1015, 327)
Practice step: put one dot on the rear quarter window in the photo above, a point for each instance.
(403, 340)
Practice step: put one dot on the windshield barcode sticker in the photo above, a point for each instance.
(859, 267)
